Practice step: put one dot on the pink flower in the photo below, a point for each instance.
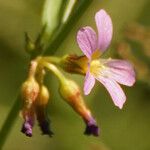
(109, 72)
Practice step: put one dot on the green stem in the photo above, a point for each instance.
(55, 71)
(52, 59)
(69, 8)
(10, 120)
(64, 30)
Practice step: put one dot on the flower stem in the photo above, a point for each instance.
(52, 59)
(55, 71)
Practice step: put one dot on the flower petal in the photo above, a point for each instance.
(88, 83)
(114, 90)
(121, 71)
(120, 64)
(91, 128)
(28, 125)
(87, 40)
(105, 29)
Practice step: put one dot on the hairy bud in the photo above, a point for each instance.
(29, 91)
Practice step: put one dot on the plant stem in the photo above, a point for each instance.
(64, 30)
(10, 120)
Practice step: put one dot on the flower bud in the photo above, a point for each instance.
(43, 96)
(41, 104)
(70, 92)
(29, 91)
(29, 45)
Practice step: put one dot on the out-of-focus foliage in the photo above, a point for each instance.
(126, 129)
(51, 13)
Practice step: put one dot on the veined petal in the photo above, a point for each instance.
(117, 63)
(87, 40)
(105, 29)
(114, 90)
(88, 83)
(121, 71)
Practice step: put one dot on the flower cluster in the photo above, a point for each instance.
(35, 98)
(109, 72)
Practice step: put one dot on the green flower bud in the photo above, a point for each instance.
(29, 45)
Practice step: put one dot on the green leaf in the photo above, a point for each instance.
(69, 7)
(64, 30)
(50, 16)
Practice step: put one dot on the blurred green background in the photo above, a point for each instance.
(126, 129)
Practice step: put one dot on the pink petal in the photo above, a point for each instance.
(105, 29)
(87, 40)
(88, 83)
(121, 71)
(114, 90)
(120, 64)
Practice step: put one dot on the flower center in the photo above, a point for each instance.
(95, 67)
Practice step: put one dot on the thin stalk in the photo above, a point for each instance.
(52, 59)
(55, 71)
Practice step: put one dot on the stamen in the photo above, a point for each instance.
(95, 67)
